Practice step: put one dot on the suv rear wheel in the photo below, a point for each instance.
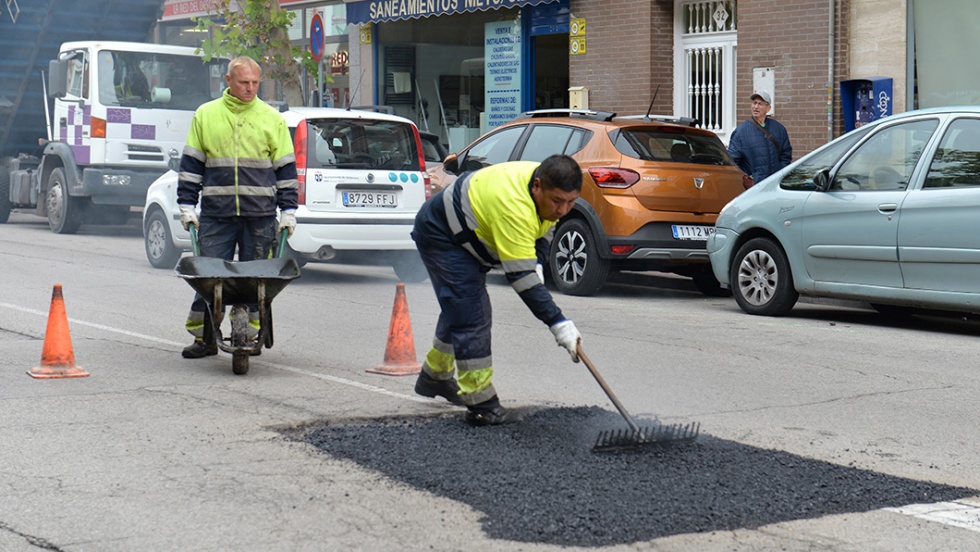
(707, 284)
(576, 267)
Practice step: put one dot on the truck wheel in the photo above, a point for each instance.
(576, 266)
(158, 242)
(64, 212)
(4, 194)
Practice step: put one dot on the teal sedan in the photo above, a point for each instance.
(888, 213)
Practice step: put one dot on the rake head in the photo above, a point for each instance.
(650, 436)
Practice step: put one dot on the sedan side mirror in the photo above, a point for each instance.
(451, 164)
(821, 180)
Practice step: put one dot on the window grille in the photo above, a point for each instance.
(709, 17)
(706, 36)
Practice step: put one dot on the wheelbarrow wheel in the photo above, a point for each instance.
(239, 339)
(239, 362)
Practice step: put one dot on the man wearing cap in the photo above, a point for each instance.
(760, 145)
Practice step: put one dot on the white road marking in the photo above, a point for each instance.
(961, 513)
(300, 371)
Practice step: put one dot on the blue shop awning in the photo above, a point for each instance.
(375, 11)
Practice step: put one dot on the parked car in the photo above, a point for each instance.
(432, 149)
(886, 214)
(434, 152)
(362, 180)
(652, 188)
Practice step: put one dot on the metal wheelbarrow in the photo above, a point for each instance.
(238, 284)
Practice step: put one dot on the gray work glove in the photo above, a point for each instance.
(539, 268)
(567, 336)
(288, 220)
(188, 216)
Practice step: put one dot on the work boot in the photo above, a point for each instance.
(199, 350)
(492, 413)
(427, 386)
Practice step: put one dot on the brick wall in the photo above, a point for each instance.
(793, 38)
(629, 52)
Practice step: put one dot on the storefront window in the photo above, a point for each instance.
(431, 70)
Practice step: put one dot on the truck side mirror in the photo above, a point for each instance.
(57, 78)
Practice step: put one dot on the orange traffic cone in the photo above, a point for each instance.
(400, 352)
(58, 357)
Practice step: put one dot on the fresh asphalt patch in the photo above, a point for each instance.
(539, 482)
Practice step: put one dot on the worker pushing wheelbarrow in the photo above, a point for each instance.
(240, 285)
(239, 164)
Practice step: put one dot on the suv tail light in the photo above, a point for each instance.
(747, 181)
(299, 149)
(614, 178)
(426, 180)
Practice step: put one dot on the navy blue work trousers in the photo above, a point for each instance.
(253, 237)
(460, 283)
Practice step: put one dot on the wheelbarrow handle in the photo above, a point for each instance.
(283, 235)
(195, 245)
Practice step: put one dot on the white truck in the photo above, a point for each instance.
(114, 114)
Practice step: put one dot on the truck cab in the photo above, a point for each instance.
(119, 110)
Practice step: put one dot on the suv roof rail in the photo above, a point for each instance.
(376, 108)
(574, 113)
(684, 121)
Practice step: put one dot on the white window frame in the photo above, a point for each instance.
(726, 41)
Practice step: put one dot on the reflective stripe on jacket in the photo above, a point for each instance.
(491, 214)
(239, 159)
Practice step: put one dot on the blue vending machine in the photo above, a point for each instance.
(865, 100)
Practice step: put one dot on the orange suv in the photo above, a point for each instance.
(652, 189)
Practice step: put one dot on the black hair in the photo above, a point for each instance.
(560, 171)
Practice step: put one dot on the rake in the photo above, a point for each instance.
(636, 437)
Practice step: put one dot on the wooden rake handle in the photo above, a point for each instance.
(605, 387)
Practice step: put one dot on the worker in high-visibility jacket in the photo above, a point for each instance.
(239, 161)
(500, 216)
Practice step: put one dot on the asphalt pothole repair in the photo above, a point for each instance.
(539, 482)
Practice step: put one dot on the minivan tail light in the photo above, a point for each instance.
(426, 181)
(299, 149)
(614, 178)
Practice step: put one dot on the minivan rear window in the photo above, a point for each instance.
(362, 144)
(671, 145)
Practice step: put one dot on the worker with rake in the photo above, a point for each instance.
(501, 216)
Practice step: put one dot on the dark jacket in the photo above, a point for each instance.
(755, 154)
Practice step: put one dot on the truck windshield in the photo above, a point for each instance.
(163, 81)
